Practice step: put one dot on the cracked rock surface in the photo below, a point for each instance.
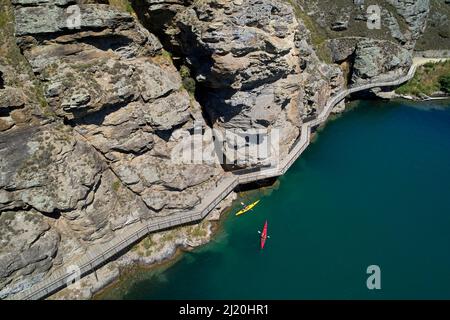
(92, 154)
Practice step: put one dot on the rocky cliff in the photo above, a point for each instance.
(371, 39)
(252, 62)
(90, 116)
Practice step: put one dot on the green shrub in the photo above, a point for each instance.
(444, 82)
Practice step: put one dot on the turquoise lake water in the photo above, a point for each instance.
(373, 189)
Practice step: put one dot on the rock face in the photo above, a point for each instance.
(415, 15)
(155, 248)
(93, 155)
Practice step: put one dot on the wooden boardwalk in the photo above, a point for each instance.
(99, 254)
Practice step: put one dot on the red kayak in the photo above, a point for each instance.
(264, 236)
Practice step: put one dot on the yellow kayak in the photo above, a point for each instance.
(247, 208)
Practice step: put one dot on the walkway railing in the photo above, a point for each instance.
(98, 255)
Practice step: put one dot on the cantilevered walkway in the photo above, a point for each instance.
(99, 254)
